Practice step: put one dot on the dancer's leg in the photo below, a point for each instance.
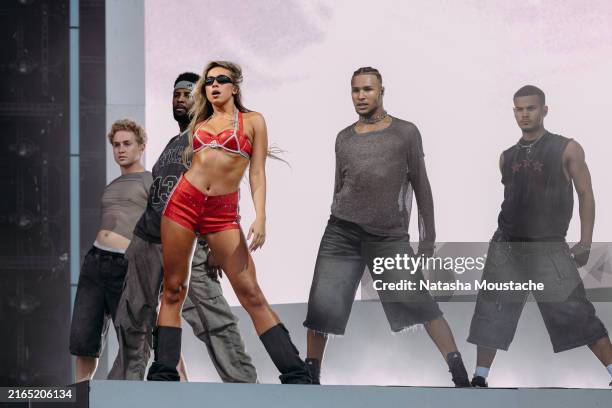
(212, 321)
(85, 368)
(178, 243)
(315, 348)
(602, 350)
(316, 343)
(137, 310)
(89, 321)
(338, 271)
(485, 356)
(177, 249)
(230, 249)
(442, 336)
(182, 369)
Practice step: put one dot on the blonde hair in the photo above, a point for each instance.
(129, 126)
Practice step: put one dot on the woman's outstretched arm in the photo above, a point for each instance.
(257, 179)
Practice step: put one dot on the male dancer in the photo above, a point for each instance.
(379, 161)
(205, 309)
(538, 173)
(105, 266)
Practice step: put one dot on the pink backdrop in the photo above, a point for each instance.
(450, 67)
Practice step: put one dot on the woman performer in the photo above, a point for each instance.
(225, 139)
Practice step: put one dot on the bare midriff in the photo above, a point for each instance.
(111, 239)
(216, 172)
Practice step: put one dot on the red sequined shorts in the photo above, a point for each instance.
(201, 213)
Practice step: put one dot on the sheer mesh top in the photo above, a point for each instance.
(376, 175)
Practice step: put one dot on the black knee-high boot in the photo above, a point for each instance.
(167, 347)
(285, 356)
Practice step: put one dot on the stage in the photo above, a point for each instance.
(130, 394)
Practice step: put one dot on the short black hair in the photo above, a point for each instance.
(530, 90)
(187, 76)
(368, 71)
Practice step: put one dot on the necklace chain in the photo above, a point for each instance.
(531, 145)
(374, 118)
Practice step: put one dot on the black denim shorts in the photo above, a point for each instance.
(341, 262)
(97, 297)
(567, 313)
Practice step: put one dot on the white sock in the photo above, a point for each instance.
(610, 369)
(484, 372)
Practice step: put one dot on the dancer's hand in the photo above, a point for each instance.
(580, 252)
(214, 268)
(258, 232)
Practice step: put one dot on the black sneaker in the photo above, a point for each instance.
(457, 370)
(314, 368)
(479, 382)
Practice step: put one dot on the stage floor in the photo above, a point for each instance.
(131, 394)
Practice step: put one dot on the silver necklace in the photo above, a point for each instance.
(531, 145)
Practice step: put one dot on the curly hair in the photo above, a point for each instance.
(130, 126)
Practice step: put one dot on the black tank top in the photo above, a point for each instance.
(538, 198)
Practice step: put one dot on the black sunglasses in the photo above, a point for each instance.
(221, 79)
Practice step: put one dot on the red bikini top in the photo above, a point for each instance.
(232, 140)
